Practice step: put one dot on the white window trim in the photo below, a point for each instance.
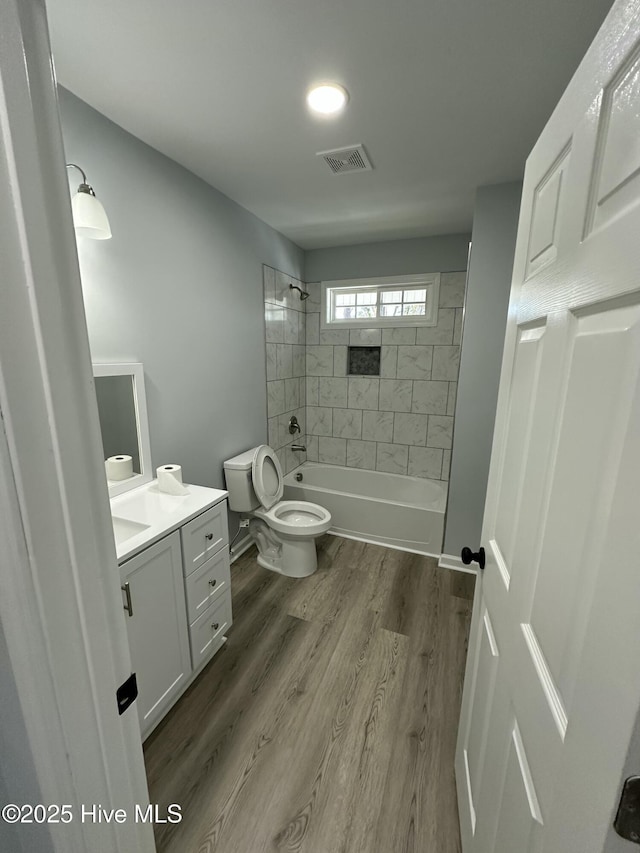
(430, 281)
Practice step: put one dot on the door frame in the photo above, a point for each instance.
(61, 612)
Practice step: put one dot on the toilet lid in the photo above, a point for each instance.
(267, 477)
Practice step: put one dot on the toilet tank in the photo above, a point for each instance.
(237, 474)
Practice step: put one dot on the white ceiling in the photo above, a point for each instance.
(446, 95)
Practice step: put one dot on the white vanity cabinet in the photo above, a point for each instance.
(157, 627)
(205, 549)
(177, 599)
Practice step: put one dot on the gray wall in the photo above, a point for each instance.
(179, 288)
(447, 253)
(495, 223)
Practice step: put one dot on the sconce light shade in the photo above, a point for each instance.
(89, 217)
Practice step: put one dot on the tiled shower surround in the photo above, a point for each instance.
(284, 314)
(400, 422)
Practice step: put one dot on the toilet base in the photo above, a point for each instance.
(295, 558)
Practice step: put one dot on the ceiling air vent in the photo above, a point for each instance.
(353, 158)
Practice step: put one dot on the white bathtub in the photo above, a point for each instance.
(389, 509)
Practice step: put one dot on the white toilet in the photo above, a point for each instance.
(284, 531)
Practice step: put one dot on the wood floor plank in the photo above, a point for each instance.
(328, 722)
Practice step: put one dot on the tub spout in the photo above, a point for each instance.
(301, 448)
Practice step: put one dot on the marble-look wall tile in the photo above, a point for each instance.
(312, 322)
(414, 362)
(445, 363)
(291, 394)
(291, 323)
(274, 324)
(269, 282)
(319, 420)
(284, 295)
(392, 458)
(311, 390)
(273, 433)
(377, 426)
(451, 400)
(332, 450)
(452, 285)
(319, 361)
(440, 334)
(340, 355)
(365, 337)
(361, 454)
(457, 328)
(334, 337)
(275, 398)
(399, 336)
(446, 464)
(313, 302)
(388, 361)
(332, 392)
(299, 363)
(365, 421)
(430, 398)
(395, 395)
(347, 423)
(284, 360)
(440, 431)
(410, 429)
(272, 362)
(425, 462)
(311, 443)
(363, 392)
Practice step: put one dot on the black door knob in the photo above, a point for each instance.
(469, 557)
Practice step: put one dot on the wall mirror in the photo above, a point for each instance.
(122, 407)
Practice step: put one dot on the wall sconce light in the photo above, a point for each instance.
(89, 217)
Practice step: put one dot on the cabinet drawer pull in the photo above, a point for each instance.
(213, 582)
(127, 592)
(215, 626)
(209, 536)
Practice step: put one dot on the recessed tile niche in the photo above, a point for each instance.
(364, 361)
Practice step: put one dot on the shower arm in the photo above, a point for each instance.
(303, 293)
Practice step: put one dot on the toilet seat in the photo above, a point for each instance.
(266, 474)
(297, 518)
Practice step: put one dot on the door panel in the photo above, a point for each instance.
(520, 816)
(548, 706)
(476, 739)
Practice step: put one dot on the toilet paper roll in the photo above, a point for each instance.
(119, 467)
(170, 480)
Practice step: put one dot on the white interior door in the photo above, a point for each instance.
(552, 689)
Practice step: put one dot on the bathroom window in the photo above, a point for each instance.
(376, 302)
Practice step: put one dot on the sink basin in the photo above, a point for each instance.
(124, 528)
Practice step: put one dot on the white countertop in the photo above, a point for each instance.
(144, 515)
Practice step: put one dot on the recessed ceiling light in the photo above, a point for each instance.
(327, 98)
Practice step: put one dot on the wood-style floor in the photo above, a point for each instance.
(328, 722)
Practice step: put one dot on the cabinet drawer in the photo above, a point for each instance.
(203, 536)
(207, 631)
(207, 583)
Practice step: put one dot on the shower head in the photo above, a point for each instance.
(303, 293)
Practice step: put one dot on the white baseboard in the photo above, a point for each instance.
(448, 561)
(239, 549)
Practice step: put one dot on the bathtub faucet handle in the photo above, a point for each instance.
(294, 426)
